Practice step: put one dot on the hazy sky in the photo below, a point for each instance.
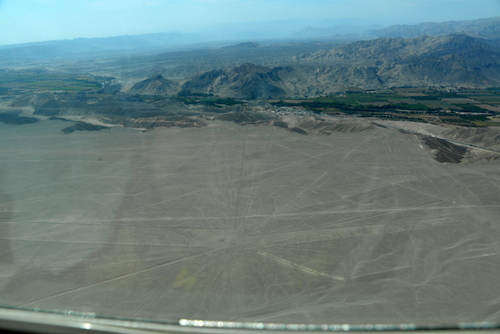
(38, 20)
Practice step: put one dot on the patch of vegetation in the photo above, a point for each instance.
(366, 97)
(417, 106)
(191, 94)
(210, 102)
(33, 80)
(473, 117)
(427, 104)
(445, 95)
(456, 121)
(153, 98)
(466, 120)
(472, 108)
(494, 90)
(425, 98)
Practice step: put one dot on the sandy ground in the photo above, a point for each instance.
(86, 119)
(232, 222)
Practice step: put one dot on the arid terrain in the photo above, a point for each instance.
(315, 182)
(250, 223)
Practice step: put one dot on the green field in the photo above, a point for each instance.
(211, 102)
(487, 99)
(337, 99)
(469, 107)
(36, 80)
(413, 104)
(367, 97)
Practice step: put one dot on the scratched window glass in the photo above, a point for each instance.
(265, 162)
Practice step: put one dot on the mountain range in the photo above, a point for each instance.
(456, 60)
(483, 28)
(469, 57)
(270, 32)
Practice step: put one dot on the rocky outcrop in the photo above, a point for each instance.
(457, 60)
(82, 126)
(248, 81)
(15, 119)
(444, 151)
(156, 85)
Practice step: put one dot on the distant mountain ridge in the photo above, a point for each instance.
(457, 60)
(425, 60)
(398, 49)
(483, 28)
(79, 46)
(253, 70)
(488, 28)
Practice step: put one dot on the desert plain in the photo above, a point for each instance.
(246, 223)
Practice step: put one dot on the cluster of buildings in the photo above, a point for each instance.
(286, 111)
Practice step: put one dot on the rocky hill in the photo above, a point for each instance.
(156, 85)
(248, 81)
